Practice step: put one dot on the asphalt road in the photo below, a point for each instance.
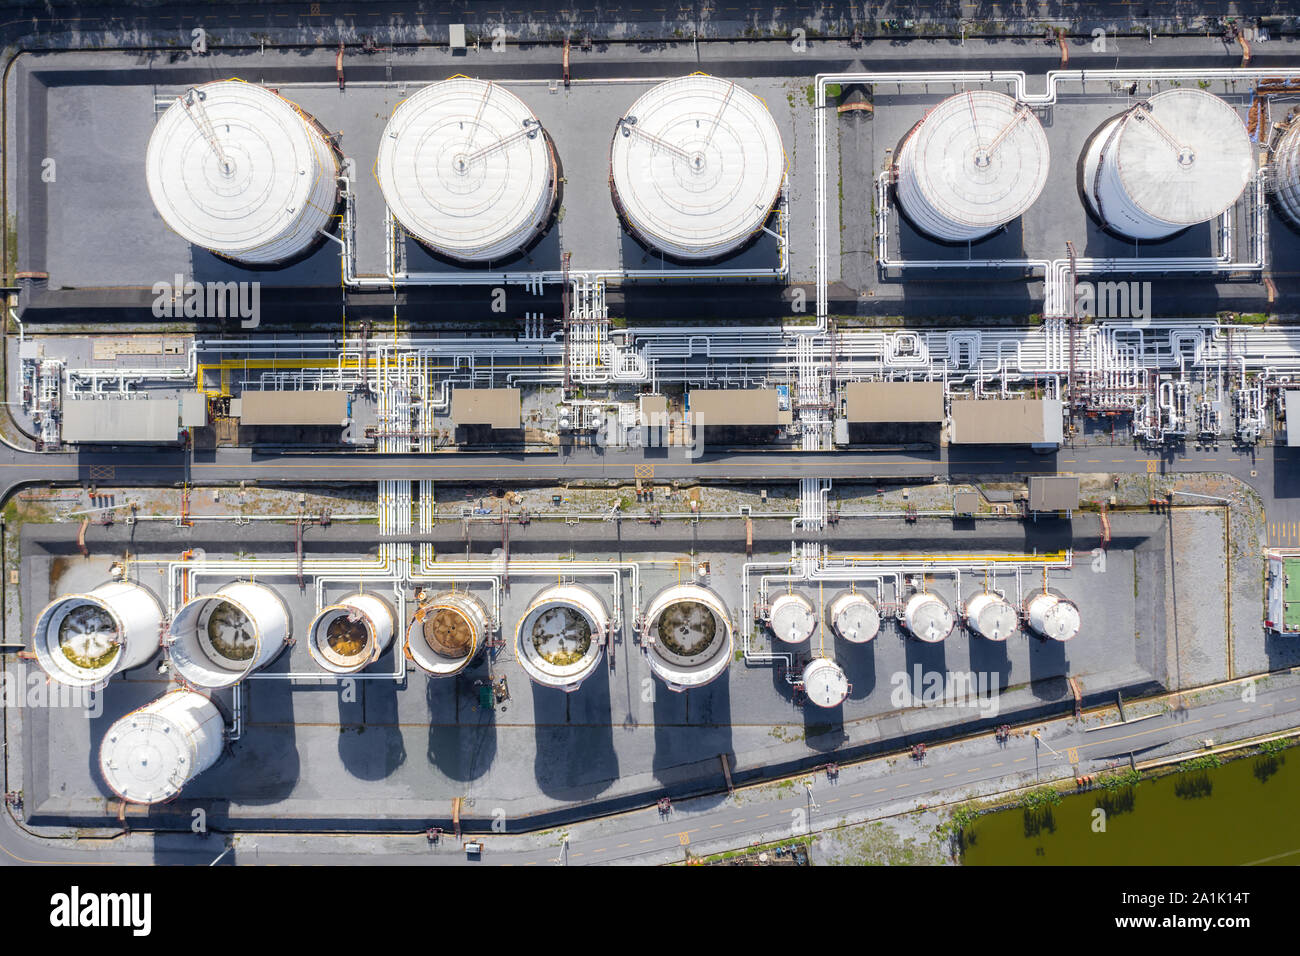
(144, 466)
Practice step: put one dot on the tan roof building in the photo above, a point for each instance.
(653, 408)
(1053, 493)
(276, 407)
(870, 402)
(103, 420)
(1016, 421)
(498, 408)
(723, 407)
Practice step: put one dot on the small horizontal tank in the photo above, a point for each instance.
(825, 683)
(854, 617)
(928, 617)
(991, 617)
(1052, 616)
(152, 753)
(792, 618)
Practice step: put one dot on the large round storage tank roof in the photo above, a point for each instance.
(687, 636)
(1286, 173)
(1180, 158)
(697, 166)
(467, 169)
(241, 171)
(561, 636)
(975, 162)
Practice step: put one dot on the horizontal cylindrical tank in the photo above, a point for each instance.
(446, 633)
(854, 617)
(1178, 159)
(696, 166)
(687, 636)
(928, 617)
(825, 683)
(792, 618)
(1053, 616)
(242, 172)
(84, 639)
(975, 162)
(152, 752)
(347, 636)
(219, 639)
(1285, 180)
(467, 169)
(561, 636)
(990, 616)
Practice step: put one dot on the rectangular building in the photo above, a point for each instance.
(319, 408)
(1283, 598)
(121, 420)
(1291, 400)
(736, 408)
(1053, 493)
(894, 402)
(1015, 421)
(497, 408)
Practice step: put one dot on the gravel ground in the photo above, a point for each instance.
(905, 840)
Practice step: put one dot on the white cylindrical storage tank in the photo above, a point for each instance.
(1179, 159)
(84, 639)
(1285, 180)
(219, 639)
(152, 752)
(348, 636)
(1053, 616)
(990, 616)
(696, 166)
(792, 618)
(561, 637)
(467, 169)
(687, 636)
(242, 172)
(975, 162)
(825, 683)
(446, 633)
(854, 617)
(928, 617)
